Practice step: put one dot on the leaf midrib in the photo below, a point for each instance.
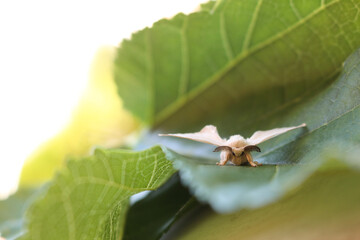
(181, 101)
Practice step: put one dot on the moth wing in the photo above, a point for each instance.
(261, 136)
(208, 134)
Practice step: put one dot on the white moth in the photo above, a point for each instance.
(236, 149)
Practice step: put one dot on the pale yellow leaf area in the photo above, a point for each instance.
(98, 120)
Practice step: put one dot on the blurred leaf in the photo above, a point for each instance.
(326, 206)
(332, 115)
(152, 216)
(12, 212)
(99, 120)
(208, 6)
(89, 199)
(235, 64)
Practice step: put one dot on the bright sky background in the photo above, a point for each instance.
(46, 48)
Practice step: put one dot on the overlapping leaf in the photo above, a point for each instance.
(90, 198)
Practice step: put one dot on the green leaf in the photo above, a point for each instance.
(326, 206)
(89, 199)
(234, 64)
(332, 115)
(153, 215)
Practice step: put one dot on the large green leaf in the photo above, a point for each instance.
(326, 206)
(332, 115)
(89, 199)
(237, 62)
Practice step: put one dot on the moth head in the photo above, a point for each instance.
(238, 151)
(235, 151)
(236, 141)
(249, 148)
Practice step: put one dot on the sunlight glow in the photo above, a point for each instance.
(46, 48)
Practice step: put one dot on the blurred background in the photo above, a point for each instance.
(47, 51)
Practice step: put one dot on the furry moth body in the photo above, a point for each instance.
(236, 149)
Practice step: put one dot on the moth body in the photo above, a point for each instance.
(239, 156)
(236, 141)
(226, 156)
(236, 149)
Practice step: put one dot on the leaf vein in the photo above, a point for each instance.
(224, 37)
(294, 9)
(250, 31)
(150, 74)
(184, 75)
(68, 212)
(108, 169)
(153, 172)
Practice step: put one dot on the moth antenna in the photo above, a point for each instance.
(252, 148)
(221, 148)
